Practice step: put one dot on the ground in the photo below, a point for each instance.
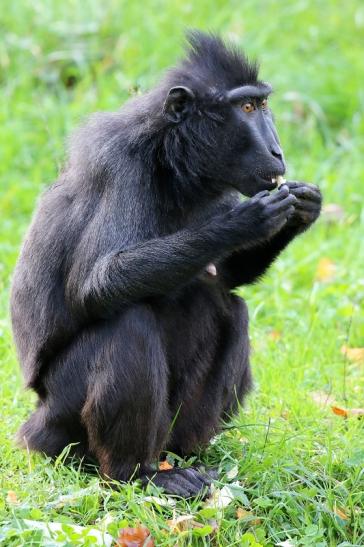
(297, 466)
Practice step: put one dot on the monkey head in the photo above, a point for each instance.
(219, 130)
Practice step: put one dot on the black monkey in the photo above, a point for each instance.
(122, 310)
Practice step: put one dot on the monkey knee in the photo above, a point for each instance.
(42, 434)
(39, 435)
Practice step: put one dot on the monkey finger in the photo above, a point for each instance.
(178, 479)
(308, 206)
(300, 186)
(276, 224)
(197, 477)
(282, 206)
(298, 183)
(282, 193)
(260, 195)
(306, 192)
(276, 197)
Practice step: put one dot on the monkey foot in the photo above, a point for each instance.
(180, 482)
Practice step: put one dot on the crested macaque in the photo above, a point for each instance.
(122, 308)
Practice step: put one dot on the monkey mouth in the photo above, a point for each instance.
(266, 183)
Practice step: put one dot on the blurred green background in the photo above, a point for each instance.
(60, 61)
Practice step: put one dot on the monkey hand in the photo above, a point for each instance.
(261, 217)
(308, 204)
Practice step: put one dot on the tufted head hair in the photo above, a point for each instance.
(210, 63)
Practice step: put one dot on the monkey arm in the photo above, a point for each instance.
(247, 266)
(152, 268)
(162, 265)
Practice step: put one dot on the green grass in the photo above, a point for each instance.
(299, 466)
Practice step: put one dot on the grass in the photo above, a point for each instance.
(299, 466)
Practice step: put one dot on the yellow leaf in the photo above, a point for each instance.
(242, 513)
(165, 465)
(325, 270)
(12, 498)
(340, 411)
(340, 513)
(354, 354)
(332, 212)
(347, 412)
(182, 523)
(275, 335)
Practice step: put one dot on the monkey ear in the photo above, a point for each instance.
(178, 103)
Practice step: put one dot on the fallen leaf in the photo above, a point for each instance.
(347, 412)
(135, 537)
(165, 465)
(243, 440)
(353, 354)
(162, 502)
(232, 473)
(332, 212)
(322, 398)
(182, 523)
(274, 335)
(12, 498)
(242, 513)
(340, 513)
(325, 270)
(220, 499)
(339, 411)
(285, 414)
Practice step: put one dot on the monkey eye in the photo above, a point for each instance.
(264, 104)
(248, 107)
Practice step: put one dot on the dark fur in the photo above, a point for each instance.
(119, 328)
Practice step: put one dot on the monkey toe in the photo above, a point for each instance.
(180, 482)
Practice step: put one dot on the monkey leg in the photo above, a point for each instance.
(202, 402)
(42, 433)
(56, 422)
(126, 411)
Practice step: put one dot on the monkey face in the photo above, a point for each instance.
(228, 140)
(256, 156)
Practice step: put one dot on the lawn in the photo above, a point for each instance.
(296, 468)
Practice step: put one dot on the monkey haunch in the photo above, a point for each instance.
(121, 303)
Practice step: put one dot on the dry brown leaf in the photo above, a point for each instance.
(339, 411)
(325, 270)
(340, 513)
(322, 398)
(242, 513)
(275, 335)
(353, 354)
(165, 465)
(347, 412)
(285, 414)
(12, 498)
(182, 523)
(332, 212)
(135, 537)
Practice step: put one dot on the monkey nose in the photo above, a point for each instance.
(277, 153)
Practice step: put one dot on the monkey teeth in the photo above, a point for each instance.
(279, 180)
